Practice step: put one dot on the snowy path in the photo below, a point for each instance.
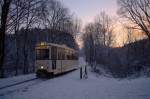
(70, 86)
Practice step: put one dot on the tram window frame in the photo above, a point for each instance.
(42, 54)
(59, 56)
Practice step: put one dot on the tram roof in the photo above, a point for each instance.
(53, 44)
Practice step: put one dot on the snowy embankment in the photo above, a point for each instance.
(70, 86)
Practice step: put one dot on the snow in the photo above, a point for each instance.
(14, 80)
(70, 86)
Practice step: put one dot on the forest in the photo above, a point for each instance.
(24, 23)
(133, 55)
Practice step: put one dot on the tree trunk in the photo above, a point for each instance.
(25, 70)
(4, 13)
(17, 53)
(2, 47)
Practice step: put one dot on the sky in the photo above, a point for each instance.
(86, 10)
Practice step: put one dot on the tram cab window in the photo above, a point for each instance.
(42, 54)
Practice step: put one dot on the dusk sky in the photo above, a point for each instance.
(88, 9)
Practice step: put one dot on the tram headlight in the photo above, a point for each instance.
(42, 67)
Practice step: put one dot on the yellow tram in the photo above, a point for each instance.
(52, 59)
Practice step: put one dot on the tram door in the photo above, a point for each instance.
(54, 56)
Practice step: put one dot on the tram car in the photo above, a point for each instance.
(53, 59)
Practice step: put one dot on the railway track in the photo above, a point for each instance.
(18, 83)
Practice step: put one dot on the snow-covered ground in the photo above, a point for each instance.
(9, 81)
(70, 86)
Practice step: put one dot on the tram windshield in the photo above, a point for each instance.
(42, 54)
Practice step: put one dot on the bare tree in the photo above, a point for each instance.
(56, 17)
(98, 38)
(128, 41)
(22, 14)
(88, 39)
(14, 22)
(75, 28)
(31, 18)
(105, 28)
(138, 12)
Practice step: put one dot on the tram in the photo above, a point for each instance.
(53, 59)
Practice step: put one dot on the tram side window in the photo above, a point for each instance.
(63, 56)
(60, 56)
(42, 54)
(54, 53)
(68, 54)
(68, 57)
(74, 56)
(71, 58)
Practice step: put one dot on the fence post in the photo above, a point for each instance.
(80, 72)
(85, 70)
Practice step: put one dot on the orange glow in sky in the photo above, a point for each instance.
(86, 10)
